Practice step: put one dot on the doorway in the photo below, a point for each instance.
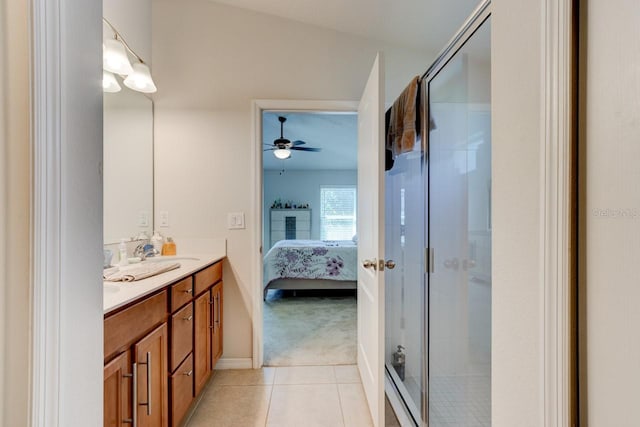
(262, 234)
(309, 237)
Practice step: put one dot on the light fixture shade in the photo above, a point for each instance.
(109, 82)
(140, 79)
(282, 153)
(115, 59)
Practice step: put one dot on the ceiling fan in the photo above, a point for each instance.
(282, 146)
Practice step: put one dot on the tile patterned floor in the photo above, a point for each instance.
(298, 396)
(460, 401)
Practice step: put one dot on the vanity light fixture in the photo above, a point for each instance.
(109, 82)
(282, 153)
(116, 60)
(140, 79)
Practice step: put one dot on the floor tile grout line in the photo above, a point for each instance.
(266, 418)
(344, 421)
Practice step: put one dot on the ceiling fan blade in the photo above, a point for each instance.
(298, 142)
(270, 149)
(305, 149)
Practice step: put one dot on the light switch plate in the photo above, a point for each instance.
(164, 218)
(235, 220)
(143, 219)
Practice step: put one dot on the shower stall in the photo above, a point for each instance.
(438, 231)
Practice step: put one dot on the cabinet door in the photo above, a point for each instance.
(216, 338)
(152, 393)
(117, 391)
(202, 340)
(181, 390)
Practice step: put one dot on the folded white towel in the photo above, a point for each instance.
(141, 272)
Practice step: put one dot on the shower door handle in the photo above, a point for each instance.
(389, 264)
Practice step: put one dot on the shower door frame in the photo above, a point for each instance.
(557, 44)
(477, 18)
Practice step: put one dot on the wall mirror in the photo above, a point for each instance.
(128, 165)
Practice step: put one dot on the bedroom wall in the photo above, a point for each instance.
(300, 186)
(210, 61)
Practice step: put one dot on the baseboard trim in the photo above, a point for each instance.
(235, 363)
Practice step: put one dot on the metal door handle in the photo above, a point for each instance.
(134, 396)
(188, 319)
(218, 310)
(148, 363)
(188, 373)
(390, 264)
(367, 263)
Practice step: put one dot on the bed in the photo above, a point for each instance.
(311, 264)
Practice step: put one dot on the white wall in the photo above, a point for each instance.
(300, 187)
(81, 317)
(210, 61)
(610, 213)
(517, 291)
(15, 208)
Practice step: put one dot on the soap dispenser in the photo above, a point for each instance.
(398, 362)
(169, 248)
(122, 251)
(157, 240)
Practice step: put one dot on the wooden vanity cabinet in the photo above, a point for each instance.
(160, 351)
(207, 344)
(118, 386)
(135, 348)
(216, 334)
(152, 390)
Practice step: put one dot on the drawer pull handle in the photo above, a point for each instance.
(134, 396)
(148, 402)
(188, 291)
(188, 319)
(188, 373)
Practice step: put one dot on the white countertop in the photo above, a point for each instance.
(118, 294)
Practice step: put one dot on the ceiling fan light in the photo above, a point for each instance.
(282, 153)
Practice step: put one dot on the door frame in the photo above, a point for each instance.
(258, 106)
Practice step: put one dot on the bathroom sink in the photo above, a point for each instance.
(111, 289)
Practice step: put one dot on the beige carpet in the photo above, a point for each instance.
(312, 328)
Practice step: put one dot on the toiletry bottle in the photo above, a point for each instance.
(169, 248)
(157, 240)
(122, 251)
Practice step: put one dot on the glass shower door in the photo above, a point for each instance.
(459, 384)
(405, 284)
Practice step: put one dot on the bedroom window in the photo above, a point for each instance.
(338, 212)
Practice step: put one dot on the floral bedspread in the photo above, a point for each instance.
(311, 259)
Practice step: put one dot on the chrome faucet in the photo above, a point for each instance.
(145, 250)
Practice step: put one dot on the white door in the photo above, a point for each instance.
(371, 241)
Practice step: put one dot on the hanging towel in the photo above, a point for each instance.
(402, 132)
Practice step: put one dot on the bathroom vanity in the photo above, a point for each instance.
(162, 339)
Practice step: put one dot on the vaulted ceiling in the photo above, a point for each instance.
(422, 24)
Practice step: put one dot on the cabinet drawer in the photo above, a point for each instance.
(208, 277)
(181, 293)
(181, 335)
(122, 329)
(181, 390)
